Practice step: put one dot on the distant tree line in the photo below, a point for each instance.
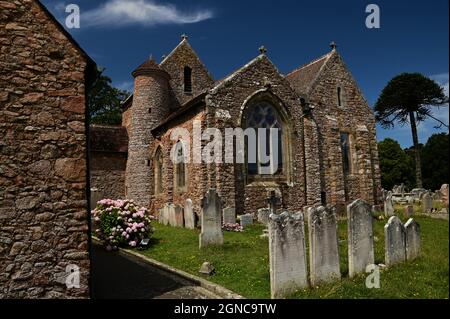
(398, 165)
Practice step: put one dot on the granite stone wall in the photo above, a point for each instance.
(43, 206)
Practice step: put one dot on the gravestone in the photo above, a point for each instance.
(211, 220)
(189, 217)
(409, 211)
(412, 230)
(229, 215)
(95, 197)
(179, 216)
(164, 214)
(287, 254)
(360, 237)
(394, 240)
(389, 205)
(427, 203)
(171, 215)
(444, 194)
(246, 219)
(263, 215)
(323, 245)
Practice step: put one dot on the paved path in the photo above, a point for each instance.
(116, 276)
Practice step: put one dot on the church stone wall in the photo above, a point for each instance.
(355, 118)
(43, 206)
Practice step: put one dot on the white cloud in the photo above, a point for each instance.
(125, 85)
(147, 13)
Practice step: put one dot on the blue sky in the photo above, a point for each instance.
(413, 37)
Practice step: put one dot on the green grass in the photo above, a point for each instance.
(242, 263)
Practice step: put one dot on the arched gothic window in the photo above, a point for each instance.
(269, 146)
(180, 167)
(158, 170)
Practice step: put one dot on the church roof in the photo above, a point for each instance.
(108, 138)
(149, 65)
(303, 78)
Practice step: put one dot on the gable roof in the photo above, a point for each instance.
(91, 63)
(303, 78)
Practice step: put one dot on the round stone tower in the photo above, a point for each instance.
(150, 106)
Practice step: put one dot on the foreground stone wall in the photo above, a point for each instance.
(43, 206)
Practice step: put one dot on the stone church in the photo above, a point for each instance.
(327, 145)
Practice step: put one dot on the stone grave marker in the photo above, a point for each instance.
(246, 220)
(211, 220)
(229, 215)
(394, 240)
(263, 215)
(427, 203)
(287, 254)
(179, 216)
(412, 230)
(360, 237)
(189, 215)
(389, 206)
(323, 245)
(409, 211)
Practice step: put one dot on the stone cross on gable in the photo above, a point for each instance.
(273, 200)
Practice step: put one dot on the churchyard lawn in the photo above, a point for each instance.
(242, 263)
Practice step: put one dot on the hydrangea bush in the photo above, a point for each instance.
(121, 222)
(232, 227)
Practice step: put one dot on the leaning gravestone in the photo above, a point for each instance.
(412, 230)
(246, 220)
(323, 245)
(229, 215)
(360, 237)
(189, 217)
(287, 254)
(263, 215)
(211, 220)
(394, 241)
(388, 205)
(427, 203)
(444, 194)
(179, 216)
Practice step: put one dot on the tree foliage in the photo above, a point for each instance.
(104, 101)
(409, 98)
(395, 165)
(435, 161)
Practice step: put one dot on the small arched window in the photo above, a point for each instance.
(269, 148)
(180, 167)
(340, 96)
(158, 170)
(187, 79)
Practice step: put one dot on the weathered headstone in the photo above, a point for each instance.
(444, 193)
(179, 216)
(95, 197)
(246, 220)
(171, 215)
(164, 214)
(394, 240)
(189, 217)
(427, 203)
(409, 211)
(360, 237)
(287, 254)
(388, 205)
(263, 215)
(412, 230)
(323, 245)
(229, 215)
(211, 220)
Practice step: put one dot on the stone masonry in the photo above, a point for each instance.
(43, 155)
